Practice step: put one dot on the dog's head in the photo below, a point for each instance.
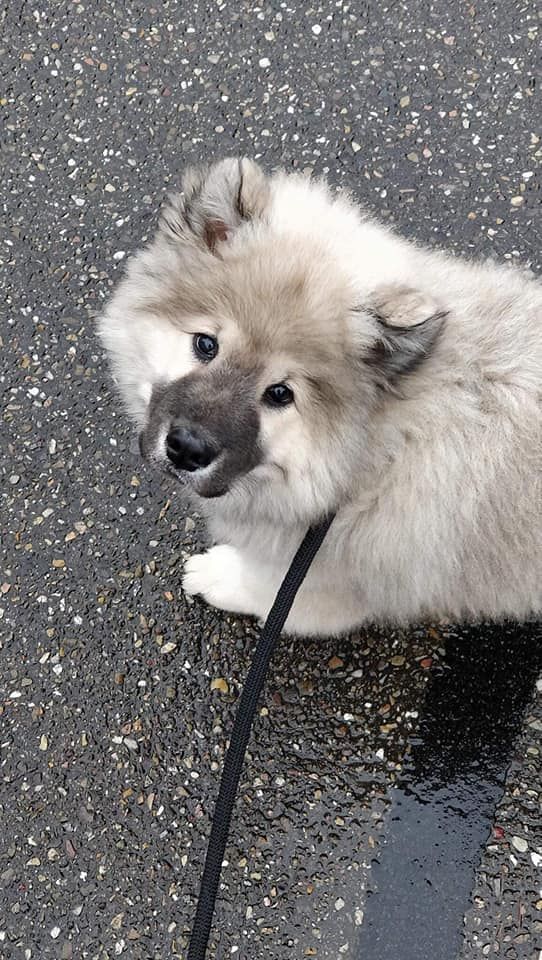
(244, 346)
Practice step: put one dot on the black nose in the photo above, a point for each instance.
(187, 451)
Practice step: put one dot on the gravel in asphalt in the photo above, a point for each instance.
(117, 693)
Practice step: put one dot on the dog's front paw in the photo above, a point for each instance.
(217, 576)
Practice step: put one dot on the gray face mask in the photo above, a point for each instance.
(204, 428)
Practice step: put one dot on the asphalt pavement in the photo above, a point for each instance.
(117, 694)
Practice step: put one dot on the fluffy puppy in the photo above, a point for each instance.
(283, 355)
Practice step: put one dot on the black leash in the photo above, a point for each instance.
(233, 764)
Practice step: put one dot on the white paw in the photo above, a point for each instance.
(217, 576)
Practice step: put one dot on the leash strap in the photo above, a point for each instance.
(233, 764)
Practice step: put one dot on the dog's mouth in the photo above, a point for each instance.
(201, 482)
(205, 469)
(206, 482)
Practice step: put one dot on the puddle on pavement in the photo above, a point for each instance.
(327, 747)
(443, 806)
(362, 776)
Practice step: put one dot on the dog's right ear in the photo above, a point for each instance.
(215, 200)
(409, 323)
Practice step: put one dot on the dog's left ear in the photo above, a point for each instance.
(215, 201)
(409, 324)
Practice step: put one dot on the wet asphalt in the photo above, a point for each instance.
(117, 694)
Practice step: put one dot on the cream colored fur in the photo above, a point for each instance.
(434, 472)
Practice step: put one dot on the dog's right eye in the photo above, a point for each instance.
(278, 395)
(205, 347)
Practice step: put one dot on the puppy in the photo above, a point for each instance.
(284, 356)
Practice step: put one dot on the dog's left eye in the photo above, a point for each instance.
(278, 395)
(205, 347)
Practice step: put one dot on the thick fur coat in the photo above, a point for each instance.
(410, 386)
